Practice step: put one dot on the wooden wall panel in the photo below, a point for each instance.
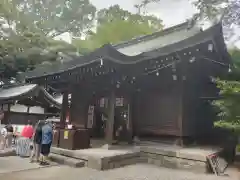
(198, 114)
(156, 113)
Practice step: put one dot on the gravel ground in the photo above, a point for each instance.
(133, 172)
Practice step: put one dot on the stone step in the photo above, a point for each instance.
(66, 160)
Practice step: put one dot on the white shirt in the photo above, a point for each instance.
(4, 132)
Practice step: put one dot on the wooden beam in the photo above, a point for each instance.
(180, 93)
(180, 108)
(64, 110)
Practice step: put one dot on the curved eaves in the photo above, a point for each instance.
(219, 41)
(50, 99)
(201, 37)
(18, 92)
(108, 52)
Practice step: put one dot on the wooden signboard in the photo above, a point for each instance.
(119, 102)
(102, 102)
(65, 134)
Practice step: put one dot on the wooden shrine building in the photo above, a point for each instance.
(22, 102)
(153, 86)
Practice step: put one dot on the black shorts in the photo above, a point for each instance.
(45, 149)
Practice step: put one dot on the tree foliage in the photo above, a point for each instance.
(141, 6)
(51, 17)
(228, 8)
(115, 13)
(229, 104)
(115, 25)
(27, 29)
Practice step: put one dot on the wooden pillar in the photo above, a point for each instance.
(78, 136)
(64, 110)
(28, 109)
(129, 123)
(7, 114)
(111, 116)
(79, 107)
(180, 112)
(181, 86)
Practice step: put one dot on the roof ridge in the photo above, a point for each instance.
(150, 36)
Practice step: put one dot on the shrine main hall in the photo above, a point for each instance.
(157, 87)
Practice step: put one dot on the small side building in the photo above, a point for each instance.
(20, 103)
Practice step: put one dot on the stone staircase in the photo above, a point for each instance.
(96, 158)
(163, 155)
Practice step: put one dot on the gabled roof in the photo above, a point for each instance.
(143, 48)
(20, 92)
(15, 92)
(158, 39)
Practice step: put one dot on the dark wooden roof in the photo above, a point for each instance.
(173, 40)
(20, 92)
(15, 92)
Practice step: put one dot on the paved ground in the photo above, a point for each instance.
(14, 168)
(16, 164)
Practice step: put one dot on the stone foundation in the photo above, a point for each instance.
(117, 161)
(190, 159)
(176, 163)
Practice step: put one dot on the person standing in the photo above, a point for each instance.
(15, 133)
(23, 146)
(9, 137)
(37, 141)
(3, 137)
(47, 137)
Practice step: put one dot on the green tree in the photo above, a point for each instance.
(115, 13)
(141, 6)
(51, 17)
(27, 29)
(115, 25)
(229, 9)
(229, 103)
